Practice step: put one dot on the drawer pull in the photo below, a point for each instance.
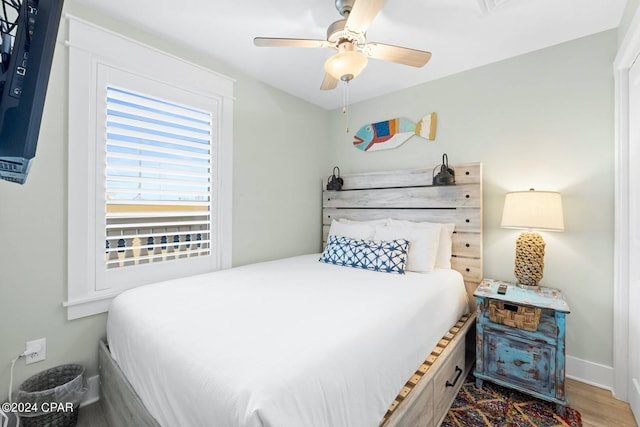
(459, 372)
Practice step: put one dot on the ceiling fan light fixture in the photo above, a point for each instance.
(347, 63)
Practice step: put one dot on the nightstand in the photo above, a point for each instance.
(521, 340)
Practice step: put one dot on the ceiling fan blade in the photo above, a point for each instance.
(284, 42)
(363, 14)
(400, 55)
(329, 82)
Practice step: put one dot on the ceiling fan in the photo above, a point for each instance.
(348, 37)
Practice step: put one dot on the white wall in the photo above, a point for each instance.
(542, 120)
(278, 158)
(627, 16)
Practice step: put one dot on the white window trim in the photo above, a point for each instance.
(90, 45)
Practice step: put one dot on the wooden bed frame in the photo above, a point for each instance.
(409, 195)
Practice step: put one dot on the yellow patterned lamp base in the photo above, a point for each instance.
(529, 259)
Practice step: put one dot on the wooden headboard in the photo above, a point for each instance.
(410, 195)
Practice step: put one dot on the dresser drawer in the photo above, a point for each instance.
(525, 363)
(447, 381)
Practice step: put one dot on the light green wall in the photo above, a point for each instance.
(542, 120)
(278, 156)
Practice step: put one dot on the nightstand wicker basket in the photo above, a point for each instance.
(514, 315)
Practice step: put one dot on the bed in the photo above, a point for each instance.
(300, 342)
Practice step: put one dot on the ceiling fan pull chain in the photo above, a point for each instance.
(345, 104)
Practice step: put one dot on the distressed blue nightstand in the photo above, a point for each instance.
(521, 340)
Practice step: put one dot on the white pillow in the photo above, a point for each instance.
(353, 230)
(443, 256)
(423, 244)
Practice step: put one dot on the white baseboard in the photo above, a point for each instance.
(634, 400)
(590, 373)
(93, 394)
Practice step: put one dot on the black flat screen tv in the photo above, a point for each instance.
(28, 35)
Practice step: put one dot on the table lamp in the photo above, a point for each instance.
(531, 210)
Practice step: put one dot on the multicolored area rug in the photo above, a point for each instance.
(495, 405)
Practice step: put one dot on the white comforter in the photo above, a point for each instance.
(292, 342)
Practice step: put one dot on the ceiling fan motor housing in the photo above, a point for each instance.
(337, 33)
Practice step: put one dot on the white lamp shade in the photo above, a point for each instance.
(347, 62)
(538, 210)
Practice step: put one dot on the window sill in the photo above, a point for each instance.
(88, 306)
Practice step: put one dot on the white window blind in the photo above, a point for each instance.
(158, 179)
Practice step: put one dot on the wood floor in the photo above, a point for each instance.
(92, 416)
(597, 406)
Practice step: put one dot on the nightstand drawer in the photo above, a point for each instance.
(520, 362)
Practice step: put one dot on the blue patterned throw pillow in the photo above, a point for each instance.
(375, 255)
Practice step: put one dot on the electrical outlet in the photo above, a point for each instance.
(36, 350)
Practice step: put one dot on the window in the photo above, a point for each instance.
(149, 168)
(158, 180)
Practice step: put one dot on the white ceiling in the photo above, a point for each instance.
(461, 34)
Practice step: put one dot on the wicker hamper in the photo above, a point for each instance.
(50, 391)
(514, 315)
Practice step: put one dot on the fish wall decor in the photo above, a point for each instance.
(393, 132)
